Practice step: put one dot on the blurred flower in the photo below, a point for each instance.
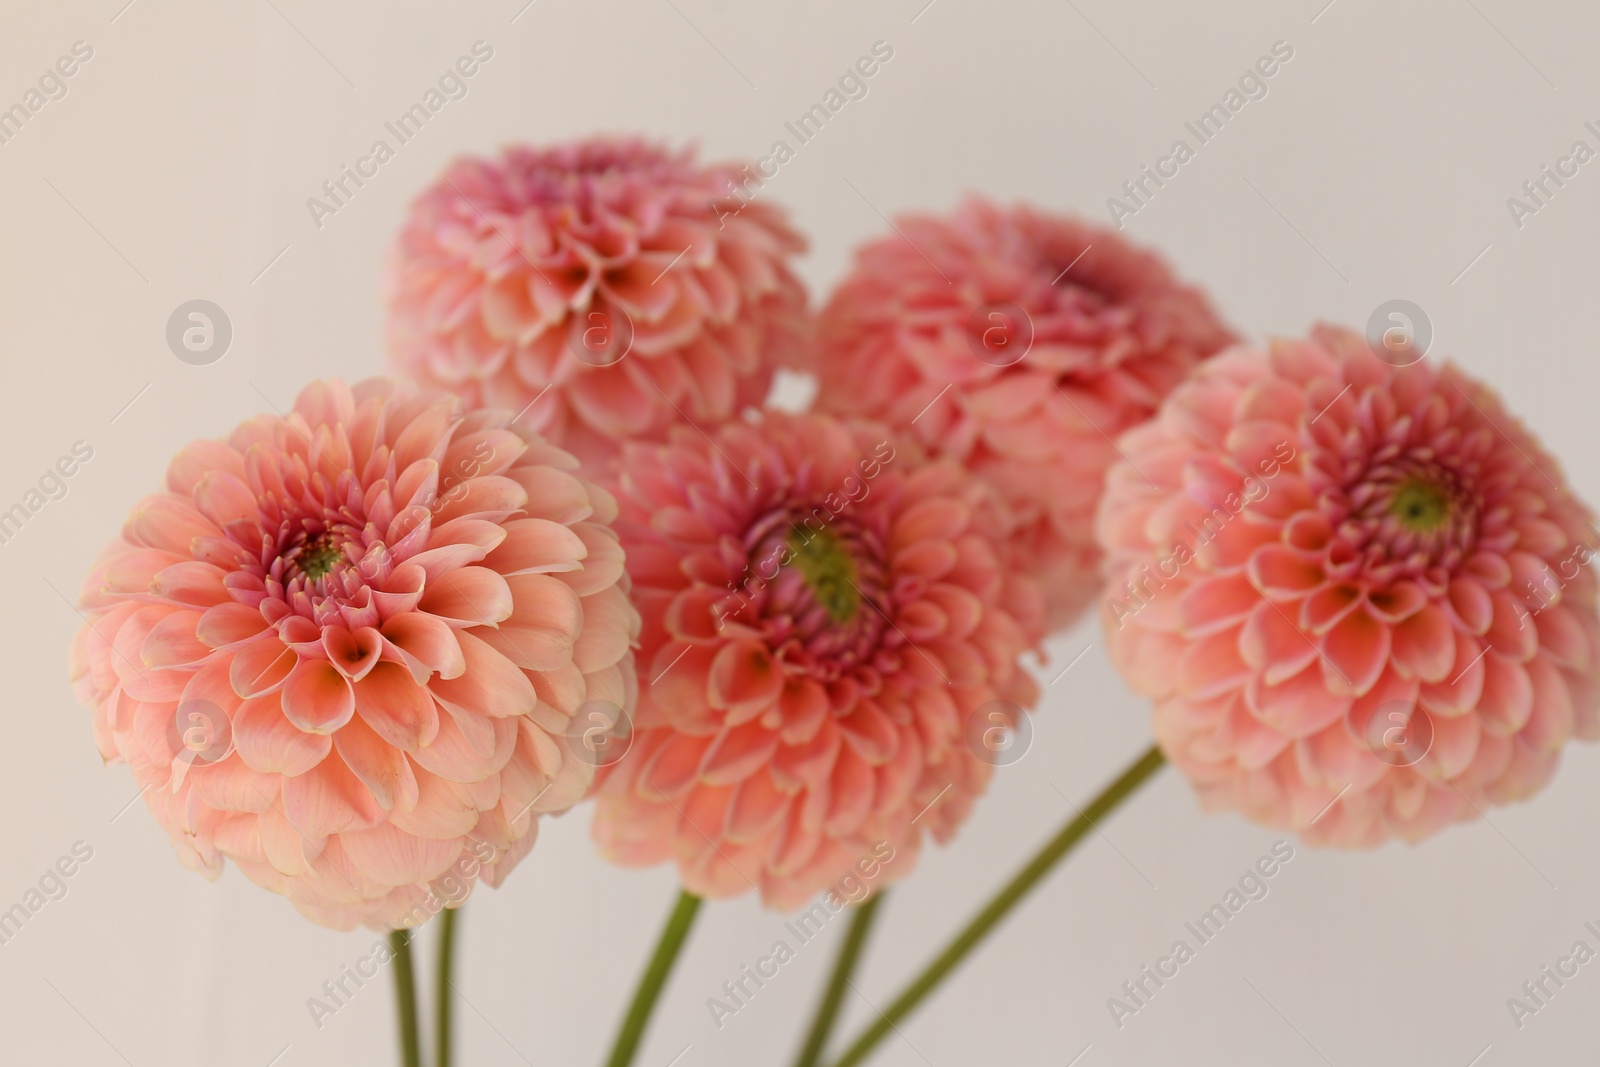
(1051, 337)
(824, 616)
(1356, 592)
(634, 284)
(343, 647)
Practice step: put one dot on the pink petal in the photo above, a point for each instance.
(1272, 644)
(1213, 604)
(329, 799)
(172, 642)
(1471, 605)
(491, 684)
(743, 677)
(1423, 646)
(544, 624)
(229, 624)
(430, 640)
(609, 623)
(391, 857)
(675, 765)
(469, 596)
(399, 710)
(260, 665)
(352, 654)
(871, 732)
(1299, 707)
(758, 806)
(537, 546)
(1355, 652)
(1507, 700)
(1211, 666)
(193, 583)
(737, 753)
(1551, 724)
(1327, 607)
(382, 768)
(270, 743)
(851, 792)
(1282, 573)
(317, 698)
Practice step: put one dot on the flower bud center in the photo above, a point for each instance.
(318, 556)
(1420, 505)
(829, 572)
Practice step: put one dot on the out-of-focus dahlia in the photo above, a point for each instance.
(824, 617)
(1019, 343)
(633, 283)
(342, 649)
(1357, 592)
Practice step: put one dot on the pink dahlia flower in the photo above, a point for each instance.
(824, 617)
(1020, 344)
(343, 647)
(1356, 592)
(634, 284)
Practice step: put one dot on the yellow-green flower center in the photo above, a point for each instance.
(1421, 506)
(318, 557)
(829, 571)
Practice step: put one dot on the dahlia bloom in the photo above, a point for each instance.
(1051, 337)
(1356, 592)
(633, 283)
(343, 647)
(824, 615)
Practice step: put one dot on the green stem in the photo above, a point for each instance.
(445, 993)
(653, 979)
(1001, 904)
(833, 995)
(405, 995)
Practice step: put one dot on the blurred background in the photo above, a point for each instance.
(175, 164)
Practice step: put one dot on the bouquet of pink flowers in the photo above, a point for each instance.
(566, 554)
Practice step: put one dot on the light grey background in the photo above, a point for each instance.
(1378, 166)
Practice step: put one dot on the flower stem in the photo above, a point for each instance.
(843, 967)
(654, 978)
(1002, 903)
(445, 993)
(405, 995)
